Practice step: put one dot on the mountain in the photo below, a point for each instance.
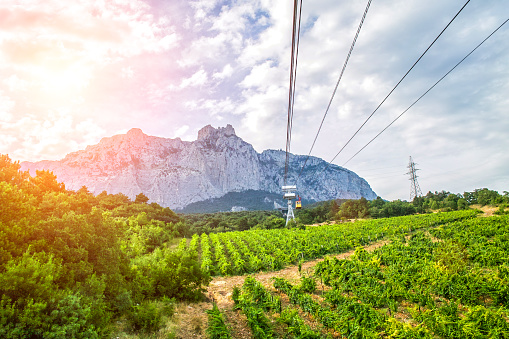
(176, 173)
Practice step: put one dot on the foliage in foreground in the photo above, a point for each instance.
(71, 262)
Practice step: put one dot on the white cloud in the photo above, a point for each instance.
(90, 132)
(223, 35)
(7, 141)
(273, 41)
(264, 117)
(214, 108)
(233, 19)
(264, 76)
(225, 73)
(197, 79)
(126, 28)
(203, 7)
(14, 83)
(6, 106)
(127, 72)
(49, 136)
(210, 49)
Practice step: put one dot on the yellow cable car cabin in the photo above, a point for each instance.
(298, 204)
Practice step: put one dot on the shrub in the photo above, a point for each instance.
(145, 317)
(71, 319)
(173, 274)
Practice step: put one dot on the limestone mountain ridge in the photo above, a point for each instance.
(175, 173)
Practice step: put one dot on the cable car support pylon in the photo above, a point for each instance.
(289, 195)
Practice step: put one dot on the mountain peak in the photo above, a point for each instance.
(135, 132)
(208, 132)
(175, 174)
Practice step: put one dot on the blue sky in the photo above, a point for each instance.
(72, 74)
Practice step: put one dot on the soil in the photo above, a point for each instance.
(191, 319)
(488, 211)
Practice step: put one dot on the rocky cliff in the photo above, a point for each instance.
(176, 173)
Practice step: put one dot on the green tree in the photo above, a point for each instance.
(315, 213)
(15, 204)
(10, 171)
(273, 222)
(391, 209)
(483, 196)
(33, 305)
(462, 204)
(418, 203)
(174, 274)
(353, 209)
(46, 182)
(112, 201)
(141, 199)
(378, 202)
(451, 202)
(334, 209)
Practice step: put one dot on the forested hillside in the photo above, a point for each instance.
(71, 263)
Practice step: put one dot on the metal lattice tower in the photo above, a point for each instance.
(289, 194)
(415, 190)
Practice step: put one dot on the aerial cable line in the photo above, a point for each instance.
(399, 82)
(293, 77)
(297, 14)
(436, 83)
(337, 83)
(293, 80)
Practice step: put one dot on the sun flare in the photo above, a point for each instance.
(60, 83)
(64, 79)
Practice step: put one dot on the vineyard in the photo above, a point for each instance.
(443, 275)
(237, 253)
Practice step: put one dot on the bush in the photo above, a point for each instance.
(274, 222)
(145, 317)
(71, 319)
(172, 274)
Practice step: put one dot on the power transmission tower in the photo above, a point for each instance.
(415, 190)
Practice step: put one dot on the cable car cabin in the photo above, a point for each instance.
(298, 204)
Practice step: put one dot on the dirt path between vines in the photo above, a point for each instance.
(192, 318)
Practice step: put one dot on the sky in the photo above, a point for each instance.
(72, 72)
